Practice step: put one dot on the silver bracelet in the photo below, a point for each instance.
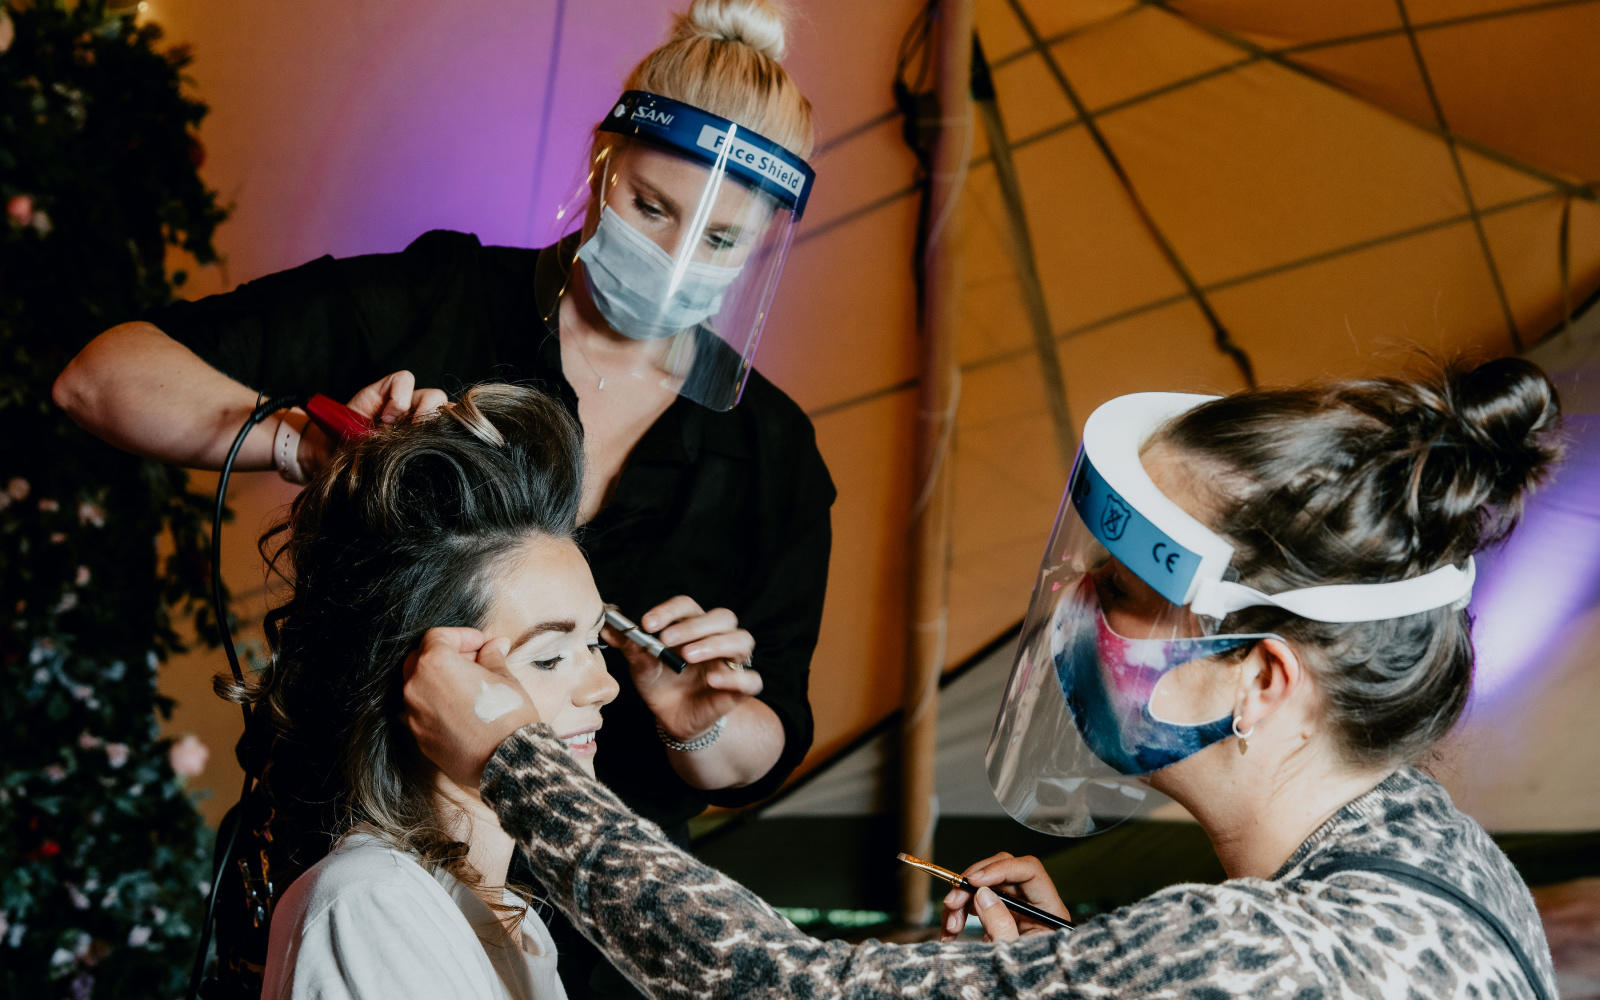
(700, 742)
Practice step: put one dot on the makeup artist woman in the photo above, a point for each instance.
(1253, 604)
(644, 325)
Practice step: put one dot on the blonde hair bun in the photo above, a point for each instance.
(759, 24)
(723, 57)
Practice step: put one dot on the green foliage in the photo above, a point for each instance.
(103, 858)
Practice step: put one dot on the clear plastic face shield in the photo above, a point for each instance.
(1121, 670)
(689, 222)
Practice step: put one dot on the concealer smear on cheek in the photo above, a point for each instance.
(495, 700)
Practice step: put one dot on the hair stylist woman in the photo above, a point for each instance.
(681, 496)
(1221, 626)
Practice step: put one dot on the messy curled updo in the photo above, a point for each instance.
(399, 533)
(1364, 482)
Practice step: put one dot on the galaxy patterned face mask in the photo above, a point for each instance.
(1109, 682)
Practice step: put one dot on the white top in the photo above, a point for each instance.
(369, 921)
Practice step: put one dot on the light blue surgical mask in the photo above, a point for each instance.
(631, 280)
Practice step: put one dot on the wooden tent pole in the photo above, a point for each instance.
(930, 516)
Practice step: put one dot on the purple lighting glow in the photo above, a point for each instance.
(1535, 585)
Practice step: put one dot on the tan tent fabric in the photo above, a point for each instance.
(1302, 180)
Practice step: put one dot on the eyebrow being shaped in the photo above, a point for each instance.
(544, 628)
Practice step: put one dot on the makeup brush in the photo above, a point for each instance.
(1014, 905)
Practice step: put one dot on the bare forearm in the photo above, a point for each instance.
(746, 750)
(138, 389)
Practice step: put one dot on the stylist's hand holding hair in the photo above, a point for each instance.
(445, 678)
(383, 402)
(712, 704)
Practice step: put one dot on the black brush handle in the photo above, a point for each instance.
(1026, 909)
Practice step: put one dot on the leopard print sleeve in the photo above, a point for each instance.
(680, 929)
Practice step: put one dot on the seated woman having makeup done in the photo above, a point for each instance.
(446, 526)
(1254, 605)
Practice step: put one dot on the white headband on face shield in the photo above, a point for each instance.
(1182, 559)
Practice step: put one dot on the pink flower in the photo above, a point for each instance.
(83, 576)
(55, 772)
(188, 756)
(138, 936)
(88, 741)
(17, 488)
(116, 754)
(92, 513)
(19, 209)
(49, 506)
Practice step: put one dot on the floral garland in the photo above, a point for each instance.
(103, 858)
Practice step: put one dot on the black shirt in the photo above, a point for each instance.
(730, 508)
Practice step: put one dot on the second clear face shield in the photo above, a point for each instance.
(685, 240)
(1121, 670)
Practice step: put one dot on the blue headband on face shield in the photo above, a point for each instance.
(1183, 560)
(716, 142)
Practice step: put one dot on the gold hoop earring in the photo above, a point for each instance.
(1244, 737)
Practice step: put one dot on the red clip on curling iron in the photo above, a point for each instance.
(338, 419)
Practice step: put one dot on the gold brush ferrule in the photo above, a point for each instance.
(953, 878)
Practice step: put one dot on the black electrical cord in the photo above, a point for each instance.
(220, 606)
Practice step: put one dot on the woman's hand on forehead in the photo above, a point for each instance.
(462, 701)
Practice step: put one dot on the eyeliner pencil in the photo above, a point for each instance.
(649, 643)
(1014, 905)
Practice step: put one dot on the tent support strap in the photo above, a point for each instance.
(930, 516)
(1019, 244)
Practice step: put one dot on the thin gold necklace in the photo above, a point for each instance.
(577, 341)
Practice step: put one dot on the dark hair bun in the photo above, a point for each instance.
(1369, 481)
(1506, 413)
(1510, 409)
